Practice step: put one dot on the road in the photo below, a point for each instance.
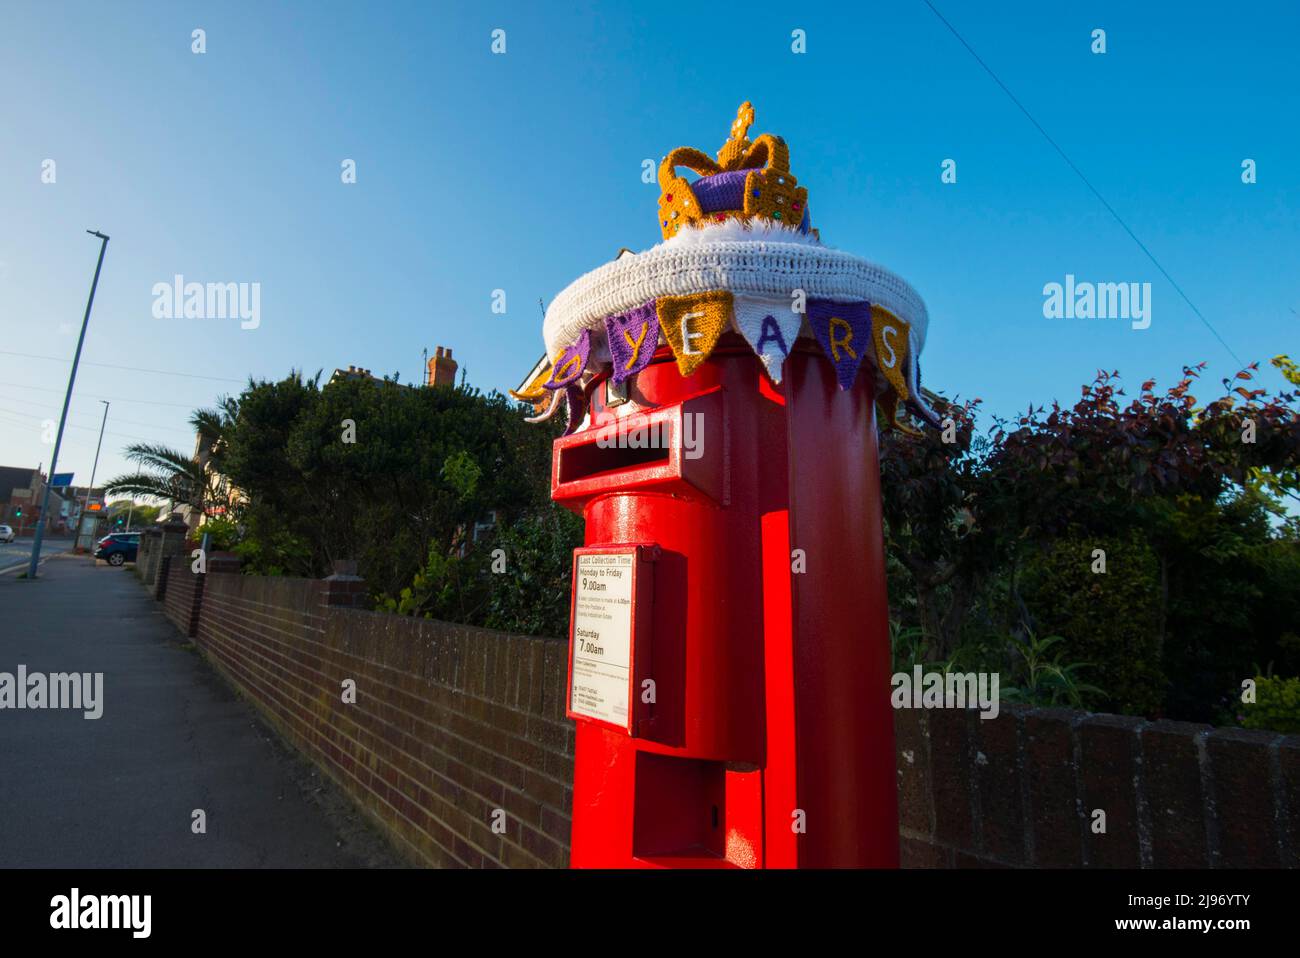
(16, 554)
(120, 791)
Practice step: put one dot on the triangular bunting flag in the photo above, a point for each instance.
(692, 325)
(917, 402)
(532, 389)
(570, 363)
(892, 344)
(577, 404)
(770, 327)
(844, 331)
(887, 403)
(633, 338)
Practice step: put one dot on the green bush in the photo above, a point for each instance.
(1110, 620)
(223, 534)
(515, 579)
(1037, 679)
(1276, 706)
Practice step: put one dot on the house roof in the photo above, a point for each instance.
(14, 477)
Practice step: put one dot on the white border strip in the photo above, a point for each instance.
(757, 268)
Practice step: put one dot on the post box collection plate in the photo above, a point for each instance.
(609, 642)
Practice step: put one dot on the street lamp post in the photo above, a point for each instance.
(85, 503)
(42, 518)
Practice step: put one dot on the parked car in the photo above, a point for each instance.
(7, 534)
(118, 548)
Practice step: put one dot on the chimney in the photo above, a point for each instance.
(442, 368)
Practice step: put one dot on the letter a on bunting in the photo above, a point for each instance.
(633, 338)
(692, 325)
(770, 327)
(844, 331)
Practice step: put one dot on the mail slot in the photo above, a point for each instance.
(675, 448)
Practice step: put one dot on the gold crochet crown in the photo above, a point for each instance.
(747, 180)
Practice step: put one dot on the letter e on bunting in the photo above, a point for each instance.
(570, 363)
(844, 331)
(770, 327)
(633, 338)
(692, 325)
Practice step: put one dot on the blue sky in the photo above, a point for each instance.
(521, 171)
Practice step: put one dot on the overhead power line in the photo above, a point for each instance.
(1079, 173)
(134, 369)
(143, 402)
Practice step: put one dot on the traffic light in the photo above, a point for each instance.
(18, 513)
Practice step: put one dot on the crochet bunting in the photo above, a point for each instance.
(770, 327)
(844, 332)
(633, 338)
(891, 338)
(577, 405)
(692, 325)
(570, 363)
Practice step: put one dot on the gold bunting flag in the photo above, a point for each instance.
(531, 389)
(891, 339)
(692, 325)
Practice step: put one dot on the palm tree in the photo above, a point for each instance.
(212, 426)
(193, 480)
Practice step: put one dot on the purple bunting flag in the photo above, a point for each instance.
(571, 363)
(844, 331)
(633, 338)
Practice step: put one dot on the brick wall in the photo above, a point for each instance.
(1021, 790)
(182, 593)
(450, 723)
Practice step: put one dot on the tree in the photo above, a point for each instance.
(138, 514)
(169, 475)
(378, 472)
(966, 518)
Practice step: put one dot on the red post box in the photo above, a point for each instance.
(729, 654)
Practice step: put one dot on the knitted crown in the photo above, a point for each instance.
(750, 264)
(748, 180)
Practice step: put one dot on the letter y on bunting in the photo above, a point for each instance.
(692, 325)
(633, 338)
(770, 327)
(844, 331)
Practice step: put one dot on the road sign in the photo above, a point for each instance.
(60, 479)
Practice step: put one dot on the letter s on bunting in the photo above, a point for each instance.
(891, 337)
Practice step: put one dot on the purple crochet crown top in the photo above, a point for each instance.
(725, 192)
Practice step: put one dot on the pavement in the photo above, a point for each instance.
(120, 791)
